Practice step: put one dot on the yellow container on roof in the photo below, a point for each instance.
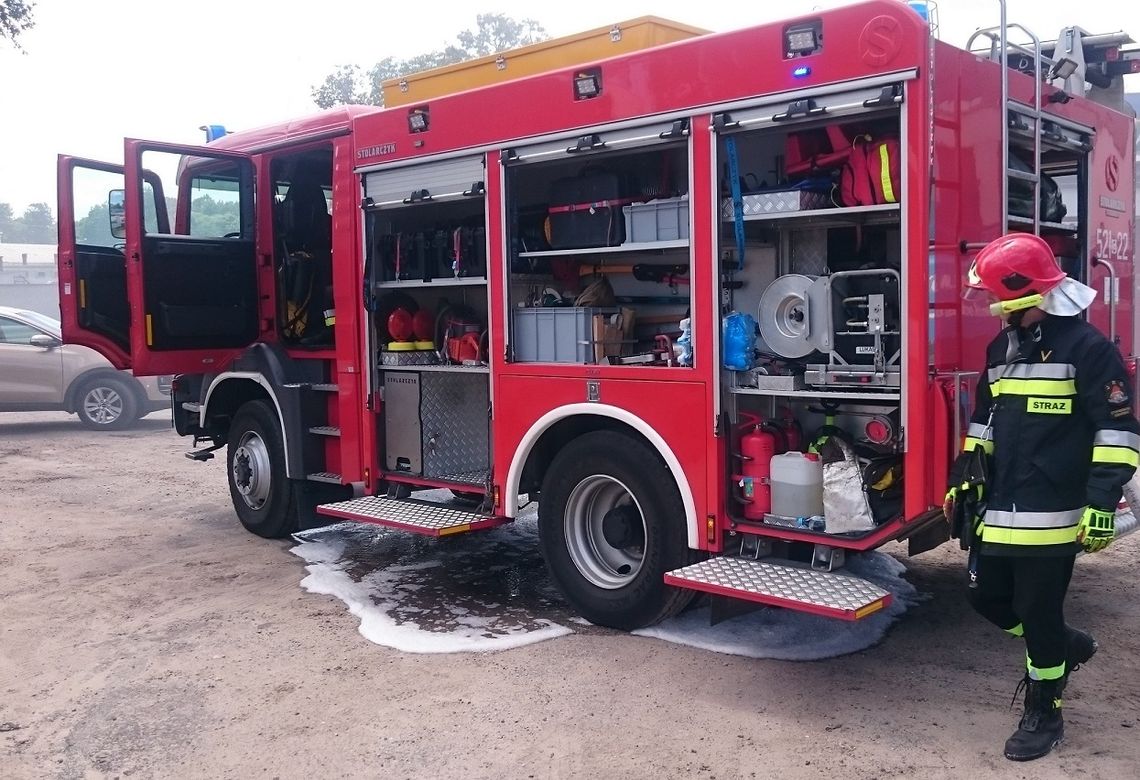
(597, 44)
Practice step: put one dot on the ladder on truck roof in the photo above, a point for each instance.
(1074, 51)
(1000, 47)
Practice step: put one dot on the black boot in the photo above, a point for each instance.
(1042, 727)
(1079, 648)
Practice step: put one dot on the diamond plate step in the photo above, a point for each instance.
(325, 430)
(472, 478)
(421, 517)
(784, 585)
(325, 476)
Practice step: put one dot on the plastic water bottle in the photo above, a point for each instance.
(686, 342)
(813, 523)
(739, 341)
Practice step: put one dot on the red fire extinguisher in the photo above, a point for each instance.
(759, 441)
(793, 432)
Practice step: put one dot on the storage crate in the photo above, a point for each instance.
(555, 334)
(658, 220)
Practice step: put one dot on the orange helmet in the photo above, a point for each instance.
(1017, 266)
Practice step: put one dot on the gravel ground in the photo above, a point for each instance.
(144, 633)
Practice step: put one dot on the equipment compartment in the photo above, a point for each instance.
(600, 221)
(817, 279)
(426, 295)
(854, 447)
(812, 262)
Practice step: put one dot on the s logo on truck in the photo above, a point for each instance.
(1112, 172)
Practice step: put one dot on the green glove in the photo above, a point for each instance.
(956, 492)
(949, 501)
(1097, 529)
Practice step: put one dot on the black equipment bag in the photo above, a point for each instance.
(970, 472)
(439, 256)
(414, 256)
(586, 211)
(469, 251)
(883, 483)
(1052, 207)
(382, 259)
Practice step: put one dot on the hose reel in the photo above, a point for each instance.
(794, 316)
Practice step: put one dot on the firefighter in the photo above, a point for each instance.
(1054, 418)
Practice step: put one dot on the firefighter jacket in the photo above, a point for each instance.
(1057, 404)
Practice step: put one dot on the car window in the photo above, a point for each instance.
(13, 332)
(42, 321)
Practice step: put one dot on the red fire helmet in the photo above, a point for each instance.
(1015, 266)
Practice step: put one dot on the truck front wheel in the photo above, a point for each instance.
(611, 523)
(255, 464)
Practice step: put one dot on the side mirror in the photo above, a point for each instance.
(117, 210)
(44, 341)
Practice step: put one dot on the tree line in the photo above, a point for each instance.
(37, 225)
(15, 19)
(353, 84)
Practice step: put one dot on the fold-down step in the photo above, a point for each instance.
(784, 585)
(420, 517)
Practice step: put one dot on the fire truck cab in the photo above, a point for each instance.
(700, 302)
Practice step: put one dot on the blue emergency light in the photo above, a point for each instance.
(801, 72)
(214, 132)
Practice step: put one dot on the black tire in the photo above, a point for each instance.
(262, 495)
(107, 402)
(607, 576)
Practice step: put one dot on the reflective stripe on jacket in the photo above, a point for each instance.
(1062, 433)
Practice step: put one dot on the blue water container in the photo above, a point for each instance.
(739, 341)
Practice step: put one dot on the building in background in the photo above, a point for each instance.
(28, 277)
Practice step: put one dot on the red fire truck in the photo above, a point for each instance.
(700, 302)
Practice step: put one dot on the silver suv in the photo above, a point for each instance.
(39, 373)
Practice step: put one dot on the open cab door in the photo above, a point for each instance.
(191, 280)
(154, 291)
(94, 310)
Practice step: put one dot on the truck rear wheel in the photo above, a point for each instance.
(255, 464)
(611, 523)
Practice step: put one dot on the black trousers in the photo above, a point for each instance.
(1030, 592)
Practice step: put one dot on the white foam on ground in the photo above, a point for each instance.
(374, 597)
(417, 595)
(796, 636)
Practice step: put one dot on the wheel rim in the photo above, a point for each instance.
(103, 405)
(606, 557)
(251, 471)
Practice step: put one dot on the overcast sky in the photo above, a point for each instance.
(94, 72)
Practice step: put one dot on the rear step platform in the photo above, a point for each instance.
(784, 585)
(421, 517)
